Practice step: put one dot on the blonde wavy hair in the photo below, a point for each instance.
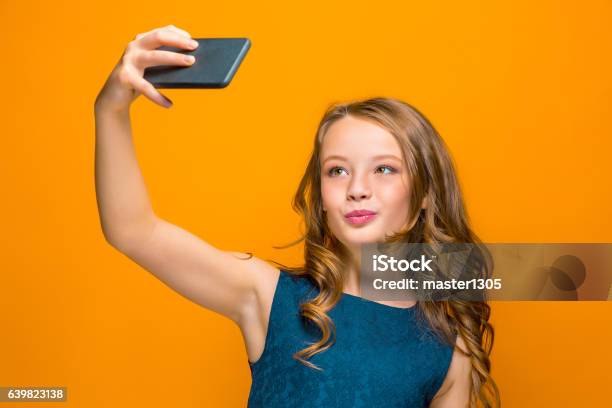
(444, 220)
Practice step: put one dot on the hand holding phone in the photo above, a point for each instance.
(218, 63)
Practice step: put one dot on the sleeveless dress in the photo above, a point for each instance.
(381, 357)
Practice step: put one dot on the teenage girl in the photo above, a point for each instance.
(378, 170)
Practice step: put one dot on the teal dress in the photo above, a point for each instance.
(381, 357)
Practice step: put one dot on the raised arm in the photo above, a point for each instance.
(218, 280)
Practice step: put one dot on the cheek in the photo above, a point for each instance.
(332, 195)
(394, 197)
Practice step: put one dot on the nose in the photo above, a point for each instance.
(358, 189)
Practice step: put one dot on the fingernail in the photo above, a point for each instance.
(193, 43)
(168, 102)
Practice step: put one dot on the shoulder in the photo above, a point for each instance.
(265, 275)
(457, 384)
(265, 286)
(263, 281)
(255, 312)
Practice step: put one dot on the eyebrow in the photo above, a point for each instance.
(380, 156)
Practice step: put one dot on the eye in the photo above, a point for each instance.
(391, 169)
(331, 171)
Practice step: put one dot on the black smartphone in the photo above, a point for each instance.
(217, 60)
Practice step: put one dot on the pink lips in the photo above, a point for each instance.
(360, 216)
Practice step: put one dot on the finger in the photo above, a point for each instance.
(148, 90)
(157, 38)
(168, 27)
(140, 35)
(145, 58)
(179, 31)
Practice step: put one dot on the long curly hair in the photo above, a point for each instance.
(443, 220)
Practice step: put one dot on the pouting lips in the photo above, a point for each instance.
(362, 219)
(359, 213)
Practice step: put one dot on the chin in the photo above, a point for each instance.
(365, 239)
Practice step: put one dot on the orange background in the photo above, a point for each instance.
(520, 91)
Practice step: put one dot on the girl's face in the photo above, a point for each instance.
(362, 169)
